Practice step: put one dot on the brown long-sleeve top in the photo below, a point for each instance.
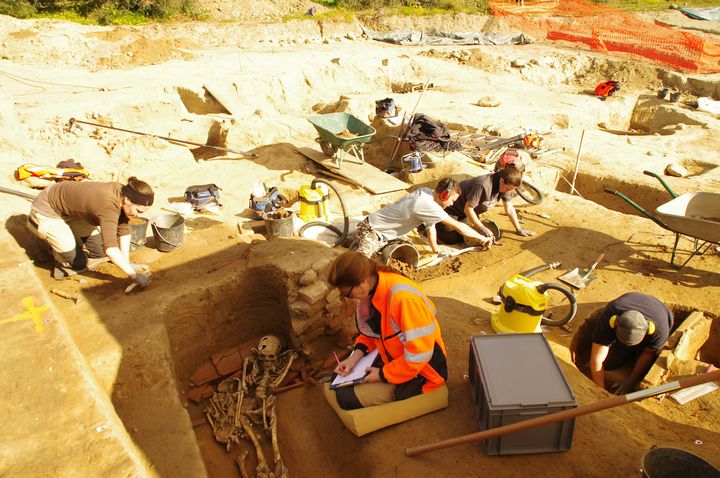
(99, 204)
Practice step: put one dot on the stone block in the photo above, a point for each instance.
(308, 277)
(659, 370)
(302, 310)
(692, 339)
(298, 326)
(313, 292)
(689, 323)
(322, 265)
(333, 295)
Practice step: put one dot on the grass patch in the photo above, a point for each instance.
(654, 5)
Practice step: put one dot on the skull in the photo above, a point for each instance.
(268, 349)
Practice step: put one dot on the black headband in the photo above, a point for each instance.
(138, 198)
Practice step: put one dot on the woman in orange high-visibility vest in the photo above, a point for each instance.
(396, 318)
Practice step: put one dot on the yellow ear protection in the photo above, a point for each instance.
(650, 330)
(445, 195)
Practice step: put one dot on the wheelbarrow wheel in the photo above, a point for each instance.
(530, 193)
(328, 149)
(562, 305)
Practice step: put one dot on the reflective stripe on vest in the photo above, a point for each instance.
(409, 335)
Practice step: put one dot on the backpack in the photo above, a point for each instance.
(203, 195)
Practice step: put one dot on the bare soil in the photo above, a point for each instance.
(222, 288)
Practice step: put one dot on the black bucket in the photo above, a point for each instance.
(673, 462)
(168, 231)
(138, 232)
(279, 223)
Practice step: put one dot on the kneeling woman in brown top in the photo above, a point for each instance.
(81, 219)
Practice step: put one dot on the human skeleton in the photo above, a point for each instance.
(240, 404)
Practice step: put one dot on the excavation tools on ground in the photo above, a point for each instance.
(406, 130)
(568, 414)
(581, 278)
(73, 121)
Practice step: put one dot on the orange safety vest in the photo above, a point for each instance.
(409, 343)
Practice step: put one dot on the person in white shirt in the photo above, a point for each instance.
(422, 206)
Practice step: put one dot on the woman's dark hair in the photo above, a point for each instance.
(350, 269)
(138, 192)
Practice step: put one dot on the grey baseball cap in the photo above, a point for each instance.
(631, 327)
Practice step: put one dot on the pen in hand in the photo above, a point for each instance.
(341, 369)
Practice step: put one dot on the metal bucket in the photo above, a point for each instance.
(672, 462)
(280, 223)
(138, 232)
(401, 251)
(168, 231)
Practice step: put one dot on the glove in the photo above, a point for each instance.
(525, 232)
(140, 267)
(623, 386)
(485, 231)
(142, 279)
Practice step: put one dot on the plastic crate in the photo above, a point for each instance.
(515, 377)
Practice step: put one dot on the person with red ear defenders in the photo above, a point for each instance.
(480, 194)
(422, 206)
(633, 327)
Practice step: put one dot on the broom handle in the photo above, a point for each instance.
(567, 414)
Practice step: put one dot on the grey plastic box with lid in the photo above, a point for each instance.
(515, 377)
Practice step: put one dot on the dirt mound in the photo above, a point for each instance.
(144, 51)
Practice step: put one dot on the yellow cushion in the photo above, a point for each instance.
(365, 420)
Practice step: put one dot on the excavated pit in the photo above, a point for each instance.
(693, 345)
(200, 305)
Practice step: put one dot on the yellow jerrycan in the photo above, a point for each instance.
(524, 306)
(313, 202)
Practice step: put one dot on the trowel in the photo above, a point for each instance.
(580, 278)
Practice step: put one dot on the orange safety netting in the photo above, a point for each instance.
(610, 30)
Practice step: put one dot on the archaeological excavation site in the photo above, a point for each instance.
(212, 349)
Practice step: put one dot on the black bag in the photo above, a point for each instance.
(385, 108)
(203, 195)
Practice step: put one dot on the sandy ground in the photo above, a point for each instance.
(151, 79)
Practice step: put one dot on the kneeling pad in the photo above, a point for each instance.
(365, 420)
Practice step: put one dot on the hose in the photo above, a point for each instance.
(542, 288)
(346, 220)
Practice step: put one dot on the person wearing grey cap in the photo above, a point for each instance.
(633, 327)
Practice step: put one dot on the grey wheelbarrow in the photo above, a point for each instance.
(695, 214)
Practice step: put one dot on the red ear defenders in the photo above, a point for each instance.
(445, 195)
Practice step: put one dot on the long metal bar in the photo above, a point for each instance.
(15, 192)
(567, 414)
(166, 138)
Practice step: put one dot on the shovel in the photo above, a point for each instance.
(580, 278)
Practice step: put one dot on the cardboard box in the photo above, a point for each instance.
(515, 377)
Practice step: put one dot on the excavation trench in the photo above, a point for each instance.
(693, 345)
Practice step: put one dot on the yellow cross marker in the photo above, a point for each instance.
(31, 313)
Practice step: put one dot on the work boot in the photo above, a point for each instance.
(61, 272)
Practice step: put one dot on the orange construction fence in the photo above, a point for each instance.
(610, 30)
